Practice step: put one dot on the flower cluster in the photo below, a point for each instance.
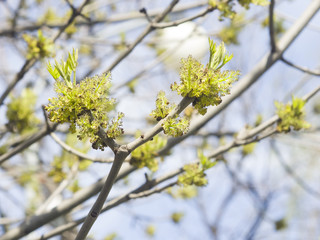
(145, 155)
(174, 126)
(291, 115)
(226, 7)
(206, 84)
(21, 112)
(85, 105)
(39, 47)
(194, 173)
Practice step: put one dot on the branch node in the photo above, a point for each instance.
(144, 11)
(93, 214)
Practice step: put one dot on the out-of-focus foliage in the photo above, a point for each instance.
(183, 192)
(176, 217)
(51, 17)
(21, 112)
(229, 34)
(62, 164)
(194, 173)
(145, 155)
(39, 47)
(226, 8)
(150, 230)
(277, 25)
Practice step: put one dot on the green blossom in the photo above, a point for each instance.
(277, 25)
(39, 47)
(208, 85)
(194, 173)
(226, 7)
(63, 163)
(163, 107)
(291, 115)
(85, 105)
(21, 112)
(177, 216)
(176, 127)
(145, 155)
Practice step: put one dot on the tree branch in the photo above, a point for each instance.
(271, 27)
(302, 69)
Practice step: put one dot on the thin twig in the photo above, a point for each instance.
(300, 68)
(271, 27)
(142, 191)
(148, 29)
(120, 17)
(62, 186)
(30, 62)
(79, 154)
(178, 22)
(292, 173)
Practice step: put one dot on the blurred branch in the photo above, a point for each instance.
(178, 22)
(79, 197)
(30, 62)
(271, 27)
(115, 18)
(144, 190)
(147, 30)
(27, 143)
(259, 218)
(292, 173)
(302, 69)
(58, 191)
(77, 153)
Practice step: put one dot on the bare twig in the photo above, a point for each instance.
(178, 22)
(78, 153)
(62, 186)
(293, 175)
(300, 68)
(120, 17)
(271, 27)
(30, 62)
(148, 29)
(34, 138)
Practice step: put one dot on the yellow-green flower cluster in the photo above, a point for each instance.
(163, 107)
(174, 126)
(194, 173)
(226, 7)
(86, 105)
(291, 115)
(39, 47)
(206, 84)
(145, 155)
(21, 112)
